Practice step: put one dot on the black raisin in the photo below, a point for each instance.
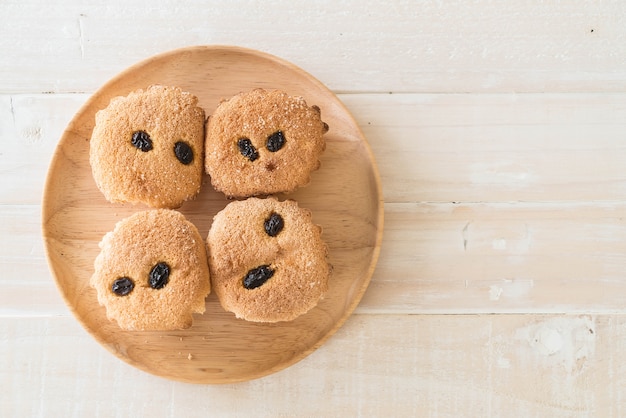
(274, 224)
(159, 275)
(247, 149)
(122, 286)
(183, 152)
(141, 140)
(275, 141)
(257, 276)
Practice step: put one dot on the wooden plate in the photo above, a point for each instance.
(344, 195)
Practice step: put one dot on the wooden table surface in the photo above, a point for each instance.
(499, 129)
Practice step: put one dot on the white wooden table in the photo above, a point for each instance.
(499, 129)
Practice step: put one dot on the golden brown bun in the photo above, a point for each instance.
(154, 177)
(131, 250)
(238, 243)
(256, 169)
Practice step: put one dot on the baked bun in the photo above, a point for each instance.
(152, 271)
(263, 142)
(148, 147)
(267, 260)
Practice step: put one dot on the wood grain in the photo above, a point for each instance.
(561, 366)
(501, 153)
(496, 148)
(426, 46)
(345, 198)
(553, 244)
(501, 258)
(506, 258)
(430, 148)
(30, 128)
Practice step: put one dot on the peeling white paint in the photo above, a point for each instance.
(511, 289)
(549, 341)
(495, 292)
(510, 173)
(503, 363)
(512, 237)
(498, 244)
(562, 341)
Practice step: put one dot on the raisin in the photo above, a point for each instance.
(141, 140)
(159, 275)
(274, 224)
(247, 149)
(275, 141)
(183, 152)
(122, 286)
(257, 276)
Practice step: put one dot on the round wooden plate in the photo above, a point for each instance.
(344, 196)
